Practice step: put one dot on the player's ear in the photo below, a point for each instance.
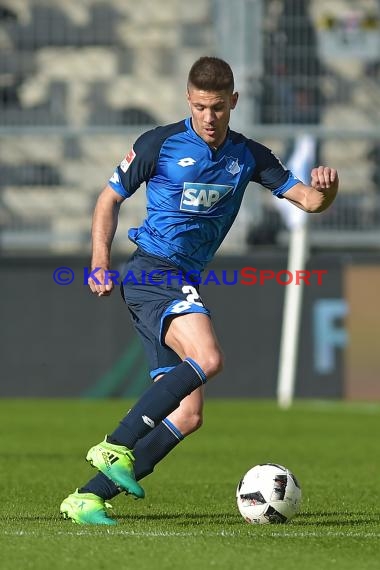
(234, 99)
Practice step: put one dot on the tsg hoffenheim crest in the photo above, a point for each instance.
(233, 166)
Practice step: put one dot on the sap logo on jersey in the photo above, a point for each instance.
(201, 198)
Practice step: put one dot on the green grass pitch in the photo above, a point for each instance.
(189, 517)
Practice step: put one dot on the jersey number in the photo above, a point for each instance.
(192, 297)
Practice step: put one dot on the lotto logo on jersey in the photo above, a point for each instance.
(126, 163)
(201, 198)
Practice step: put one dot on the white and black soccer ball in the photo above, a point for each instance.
(268, 493)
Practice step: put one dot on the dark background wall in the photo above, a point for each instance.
(61, 341)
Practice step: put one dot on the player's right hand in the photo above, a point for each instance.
(103, 285)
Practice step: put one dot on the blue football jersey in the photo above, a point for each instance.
(193, 192)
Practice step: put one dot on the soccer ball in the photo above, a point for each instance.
(268, 493)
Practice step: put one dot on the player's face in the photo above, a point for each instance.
(210, 112)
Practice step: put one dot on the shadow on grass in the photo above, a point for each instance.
(39, 455)
(324, 519)
(185, 518)
(30, 518)
(336, 518)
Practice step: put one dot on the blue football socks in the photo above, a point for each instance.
(157, 402)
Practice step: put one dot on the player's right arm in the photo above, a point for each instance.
(135, 168)
(104, 224)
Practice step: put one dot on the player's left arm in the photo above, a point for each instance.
(319, 195)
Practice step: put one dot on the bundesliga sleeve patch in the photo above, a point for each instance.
(127, 161)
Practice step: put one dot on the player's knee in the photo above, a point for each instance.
(214, 364)
(192, 422)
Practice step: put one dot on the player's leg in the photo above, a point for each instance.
(113, 457)
(192, 336)
(188, 417)
(152, 448)
(175, 315)
(156, 445)
(159, 442)
(148, 451)
(88, 505)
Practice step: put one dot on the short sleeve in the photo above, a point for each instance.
(137, 166)
(269, 170)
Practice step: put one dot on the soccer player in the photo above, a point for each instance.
(196, 172)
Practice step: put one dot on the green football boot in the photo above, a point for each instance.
(86, 508)
(116, 462)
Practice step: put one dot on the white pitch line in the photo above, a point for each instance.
(330, 533)
(184, 534)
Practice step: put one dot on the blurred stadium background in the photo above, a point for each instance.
(79, 80)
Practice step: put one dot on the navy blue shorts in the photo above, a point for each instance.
(154, 290)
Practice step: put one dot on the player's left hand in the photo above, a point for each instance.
(324, 177)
